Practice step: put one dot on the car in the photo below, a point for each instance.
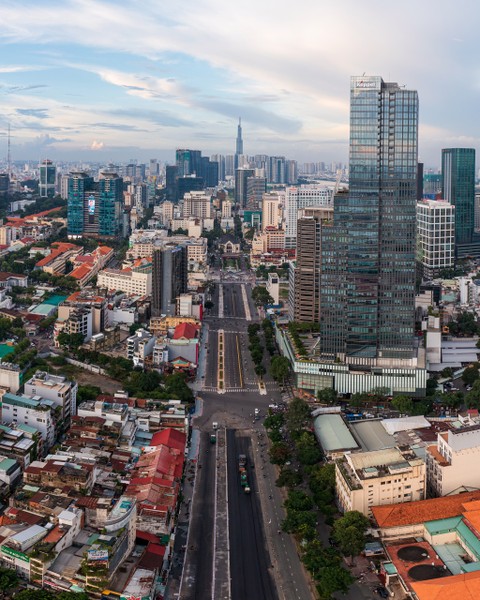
(382, 591)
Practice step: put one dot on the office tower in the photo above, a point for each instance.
(129, 170)
(230, 165)
(458, 188)
(304, 276)
(4, 183)
(271, 210)
(80, 187)
(435, 236)
(368, 256)
(256, 187)
(188, 184)
(153, 169)
(110, 199)
(241, 176)
(291, 172)
(171, 174)
(419, 181)
(276, 169)
(188, 162)
(212, 177)
(432, 185)
(220, 160)
(238, 146)
(300, 197)
(169, 278)
(46, 184)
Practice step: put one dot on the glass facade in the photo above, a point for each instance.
(368, 257)
(458, 188)
(110, 199)
(78, 185)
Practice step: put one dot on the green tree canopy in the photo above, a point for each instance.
(403, 403)
(280, 368)
(308, 451)
(327, 396)
(349, 532)
(297, 415)
(471, 374)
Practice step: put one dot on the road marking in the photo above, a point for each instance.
(239, 362)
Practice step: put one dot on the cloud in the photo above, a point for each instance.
(38, 113)
(95, 145)
(18, 68)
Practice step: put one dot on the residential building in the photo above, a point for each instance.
(197, 204)
(58, 389)
(435, 236)
(304, 277)
(271, 204)
(10, 376)
(256, 188)
(139, 346)
(36, 412)
(367, 479)
(273, 287)
(452, 461)
(299, 197)
(80, 192)
(458, 188)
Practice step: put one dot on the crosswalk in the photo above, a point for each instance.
(230, 390)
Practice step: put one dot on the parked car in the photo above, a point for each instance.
(382, 591)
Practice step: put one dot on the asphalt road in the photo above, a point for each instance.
(197, 577)
(250, 566)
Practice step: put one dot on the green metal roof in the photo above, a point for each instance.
(442, 525)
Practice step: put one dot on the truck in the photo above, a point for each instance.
(242, 461)
(213, 438)
(242, 468)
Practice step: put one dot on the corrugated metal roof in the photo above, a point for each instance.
(333, 434)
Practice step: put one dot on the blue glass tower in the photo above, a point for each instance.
(368, 256)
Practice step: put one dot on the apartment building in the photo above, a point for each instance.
(38, 413)
(435, 236)
(452, 463)
(367, 479)
(131, 282)
(58, 389)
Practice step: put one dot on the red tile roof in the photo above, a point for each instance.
(185, 330)
(410, 513)
(170, 437)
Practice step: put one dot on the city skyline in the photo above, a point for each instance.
(92, 80)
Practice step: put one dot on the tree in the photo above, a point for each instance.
(280, 368)
(279, 453)
(298, 500)
(470, 375)
(8, 579)
(260, 370)
(87, 392)
(261, 296)
(349, 533)
(308, 452)
(70, 340)
(333, 579)
(327, 396)
(403, 403)
(472, 398)
(297, 415)
(289, 478)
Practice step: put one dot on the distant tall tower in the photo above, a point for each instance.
(239, 143)
(458, 188)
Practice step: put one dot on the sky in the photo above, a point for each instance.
(101, 80)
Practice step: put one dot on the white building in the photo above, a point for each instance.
(273, 287)
(56, 388)
(435, 236)
(36, 412)
(271, 210)
(390, 476)
(300, 197)
(452, 463)
(139, 346)
(197, 204)
(132, 282)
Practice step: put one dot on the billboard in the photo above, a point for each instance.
(91, 205)
(97, 556)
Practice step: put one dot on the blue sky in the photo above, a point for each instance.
(101, 80)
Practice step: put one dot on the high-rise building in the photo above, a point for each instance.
(276, 169)
(169, 278)
(80, 187)
(46, 184)
(256, 187)
(435, 236)
(190, 183)
(188, 162)
(4, 183)
(171, 174)
(241, 176)
(368, 256)
(238, 145)
(94, 208)
(458, 188)
(304, 275)
(110, 197)
(271, 210)
(300, 197)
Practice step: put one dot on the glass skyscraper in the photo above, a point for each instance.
(367, 300)
(458, 188)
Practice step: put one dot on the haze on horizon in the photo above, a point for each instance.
(98, 80)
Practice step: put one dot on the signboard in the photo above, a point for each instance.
(15, 553)
(365, 84)
(97, 556)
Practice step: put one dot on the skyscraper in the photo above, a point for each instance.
(110, 198)
(368, 256)
(458, 188)
(46, 185)
(241, 177)
(80, 187)
(239, 141)
(169, 278)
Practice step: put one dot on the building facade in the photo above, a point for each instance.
(169, 278)
(458, 188)
(300, 197)
(435, 236)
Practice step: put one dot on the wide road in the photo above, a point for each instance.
(250, 565)
(197, 577)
